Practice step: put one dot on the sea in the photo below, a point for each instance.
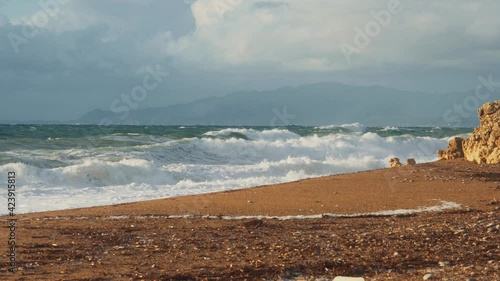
(71, 166)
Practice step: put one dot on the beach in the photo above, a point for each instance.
(249, 140)
(439, 218)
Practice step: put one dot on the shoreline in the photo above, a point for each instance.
(198, 238)
(408, 187)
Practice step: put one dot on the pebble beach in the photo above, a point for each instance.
(436, 221)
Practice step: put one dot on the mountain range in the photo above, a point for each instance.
(311, 104)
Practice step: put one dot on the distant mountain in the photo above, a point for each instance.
(311, 104)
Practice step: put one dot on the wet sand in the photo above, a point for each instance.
(352, 230)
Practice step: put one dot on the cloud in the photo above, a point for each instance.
(299, 35)
(89, 52)
(84, 56)
(3, 20)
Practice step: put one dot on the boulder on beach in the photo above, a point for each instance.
(454, 150)
(411, 162)
(483, 147)
(394, 162)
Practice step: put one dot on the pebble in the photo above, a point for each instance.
(444, 263)
(344, 278)
(429, 276)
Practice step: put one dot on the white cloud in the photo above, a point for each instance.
(426, 22)
(207, 12)
(221, 46)
(295, 35)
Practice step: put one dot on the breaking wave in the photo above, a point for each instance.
(137, 166)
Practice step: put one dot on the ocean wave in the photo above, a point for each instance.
(353, 127)
(209, 163)
(90, 173)
(268, 135)
(390, 128)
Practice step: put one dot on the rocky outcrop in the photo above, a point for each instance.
(411, 162)
(454, 150)
(484, 144)
(394, 162)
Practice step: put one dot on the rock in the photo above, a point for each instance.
(444, 263)
(429, 276)
(442, 155)
(343, 278)
(394, 162)
(453, 151)
(483, 147)
(411, 162)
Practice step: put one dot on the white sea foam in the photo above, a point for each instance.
(389, 128)
(86, 176)
(268, 135)
(355, 127)
(443, 206)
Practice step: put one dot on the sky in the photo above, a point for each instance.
(62, 58)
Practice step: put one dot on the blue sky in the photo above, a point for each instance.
(62, 58)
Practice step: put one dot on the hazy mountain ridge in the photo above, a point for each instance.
(311, 104)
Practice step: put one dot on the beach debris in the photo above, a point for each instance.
(394, 163)
(453, 151)
(344, 278)
(429, 276)
(411, 162)
(483, 147)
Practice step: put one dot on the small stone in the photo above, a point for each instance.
(444, 263)
(344, 278)
(429, 276)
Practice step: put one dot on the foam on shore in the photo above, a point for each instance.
(444, 205)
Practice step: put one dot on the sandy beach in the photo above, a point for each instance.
(440, 218)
